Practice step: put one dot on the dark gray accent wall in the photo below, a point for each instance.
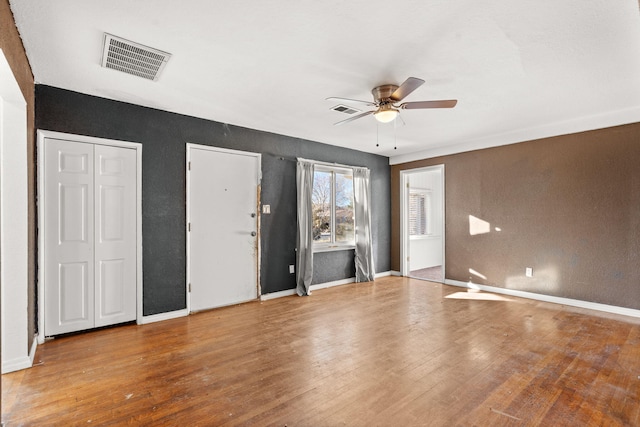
(163, 136)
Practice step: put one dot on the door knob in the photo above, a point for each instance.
(253, 215)
(253, 233)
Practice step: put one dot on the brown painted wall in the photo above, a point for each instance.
(568, 206)
(13, 50)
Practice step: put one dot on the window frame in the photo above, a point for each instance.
(428, 213)
(332, 245)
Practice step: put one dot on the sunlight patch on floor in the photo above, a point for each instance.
(472, 294)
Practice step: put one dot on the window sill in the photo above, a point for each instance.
(332, 248)
(425, 237)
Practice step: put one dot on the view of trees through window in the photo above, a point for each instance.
(332, 199)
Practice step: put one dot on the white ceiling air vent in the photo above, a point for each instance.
(133, 58)
(344, 109)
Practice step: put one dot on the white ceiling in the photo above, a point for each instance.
(520, 69)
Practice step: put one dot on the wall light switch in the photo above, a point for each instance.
(528, 272)
(266, 209)
(292, 269)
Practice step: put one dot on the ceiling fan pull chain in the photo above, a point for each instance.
(395, 139)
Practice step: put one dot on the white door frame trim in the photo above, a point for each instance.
(190, 146)
(14, 223)
(404, 226)
(42, 135)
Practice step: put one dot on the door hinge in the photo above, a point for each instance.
(408, 258)
(189, 287)
(188, 226)
(189, 165)
(407, 185)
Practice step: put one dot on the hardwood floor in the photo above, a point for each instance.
(400, 352)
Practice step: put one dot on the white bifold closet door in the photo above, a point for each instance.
(89, 236)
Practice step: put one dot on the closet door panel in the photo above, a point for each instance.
(115, 235)
(69, 236)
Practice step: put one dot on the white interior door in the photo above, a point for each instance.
(69, 237)
(223, 221)
(90, 235)
(115, 235)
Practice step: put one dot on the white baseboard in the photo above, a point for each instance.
(396, 273)
(20, 363)
(164, 316)
(331, 284)
(548, 298)
(289, 292)
(279, 294)
(16, 364)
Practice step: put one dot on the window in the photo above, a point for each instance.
(332, 205)
(419, 213)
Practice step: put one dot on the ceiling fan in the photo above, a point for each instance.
(386, 99)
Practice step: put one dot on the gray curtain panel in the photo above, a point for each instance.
(304, 254)
(365, 271)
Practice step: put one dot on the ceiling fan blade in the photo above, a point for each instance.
(334, 98)
(350, 119)
(409, 85)
(449, 103)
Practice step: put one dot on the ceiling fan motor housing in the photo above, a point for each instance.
(383, 93)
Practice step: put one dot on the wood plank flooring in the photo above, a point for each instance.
(400, 352)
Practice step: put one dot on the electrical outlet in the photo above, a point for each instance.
(266, 209)
(292, 269)
(528, 272)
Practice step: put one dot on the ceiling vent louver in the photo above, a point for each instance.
(133, 58)
(344, 109)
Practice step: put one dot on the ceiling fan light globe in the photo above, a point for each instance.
(386, 116)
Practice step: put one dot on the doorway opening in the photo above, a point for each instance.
(423, 223)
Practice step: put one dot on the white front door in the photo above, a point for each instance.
(222, 205)
(90, 235)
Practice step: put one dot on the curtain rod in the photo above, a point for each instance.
(288, 159)
(317, 162)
